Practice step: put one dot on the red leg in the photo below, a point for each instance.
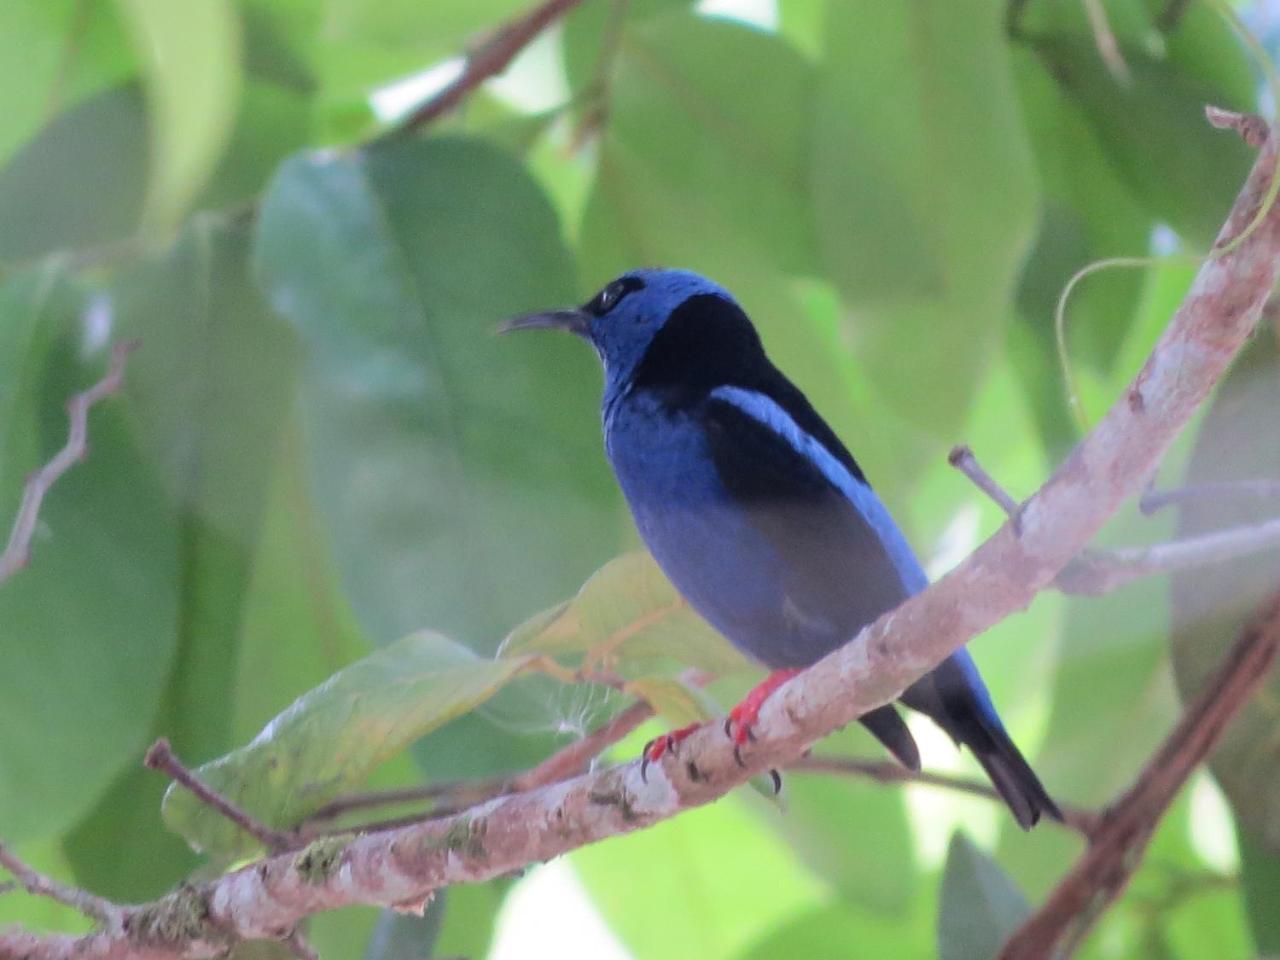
(743, 717)
(659, 747)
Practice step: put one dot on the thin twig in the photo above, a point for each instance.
(38, 885)
(962, 458)
(161, 757)
(1079, 819)
(566, 762)
(1153, 501)
(488, 61)
(18, 552)
(1116, 846)
(1096, 572)
(1252, 128)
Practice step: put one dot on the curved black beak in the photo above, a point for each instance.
(574, 320)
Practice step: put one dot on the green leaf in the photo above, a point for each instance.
(743, 881)
(923, 193)
(828, 820)
(88, 630)
(190, 54)
(1260, 877)
(210, 394)
(272, 123)
(628, 610)
(980, 905)
(1090, 214)
(684, 146)
(1153, 130)
(54, 53)
(1210, 605)
(330, 739)
(51, 199)
(842, 927)
(460, 474)
(678, 702)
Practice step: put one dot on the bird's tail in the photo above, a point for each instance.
(955, 696)
(1013, 777)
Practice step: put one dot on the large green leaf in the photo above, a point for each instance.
(1152, 128)
(88, 630)
(629, 611)
(828, 819)
(980, 905)
(1089, 214)
(741, 882)
(1210, 605)
(330, 739)
(54, 53)
(461, 475)
(692, 173)
(50, 198)
(190, 56)
(842, 930)
(1260, 876)
(923, 192)
(210, 394)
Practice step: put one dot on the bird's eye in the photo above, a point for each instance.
(610, 296)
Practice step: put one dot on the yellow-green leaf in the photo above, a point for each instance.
(628, 611)
(332, 737)
(191, 62)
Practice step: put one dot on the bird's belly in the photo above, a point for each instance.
(727, 570)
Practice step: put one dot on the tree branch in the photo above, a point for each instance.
(38, 885)
(1096, 572)
(403, 866)
(492, 57)
(1080, 820)
(76, 449)
(162, 758)
(1116, 845)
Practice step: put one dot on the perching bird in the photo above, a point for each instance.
(757, 513)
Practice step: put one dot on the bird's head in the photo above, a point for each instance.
(673, 325)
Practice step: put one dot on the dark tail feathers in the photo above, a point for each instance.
(1014, 779)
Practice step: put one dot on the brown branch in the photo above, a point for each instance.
(403, 866)
(1079, 819)
(489, 60)
(566, 762)
(1116, 846)
(162, 758)
(38, 885)
(18, 552)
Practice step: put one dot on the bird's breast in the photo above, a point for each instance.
(710, 548)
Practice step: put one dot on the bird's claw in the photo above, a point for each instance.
(659, 747)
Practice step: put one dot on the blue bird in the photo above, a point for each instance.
(757, 513)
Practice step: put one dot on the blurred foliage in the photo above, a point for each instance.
(322, 456)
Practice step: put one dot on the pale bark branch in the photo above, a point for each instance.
(1094, 572)
(38, 885)
(18, 551)
(1116, 845)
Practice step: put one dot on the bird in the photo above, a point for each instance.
(758, 514)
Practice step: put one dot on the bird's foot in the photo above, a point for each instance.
(737, 726)
(659, 747)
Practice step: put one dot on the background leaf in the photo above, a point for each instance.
(980, 906)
